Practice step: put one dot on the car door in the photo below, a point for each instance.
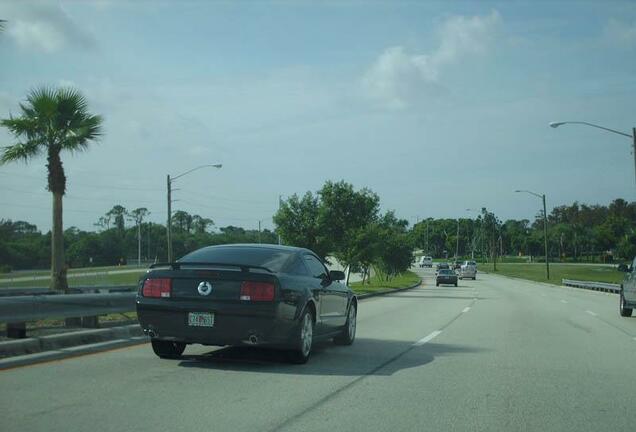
(331, 312)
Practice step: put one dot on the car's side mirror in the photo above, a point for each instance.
(623, 268)
(336, 275)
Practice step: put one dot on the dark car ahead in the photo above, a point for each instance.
(446, 277)
(260, 295)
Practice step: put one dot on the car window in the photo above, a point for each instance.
(273, 259)
(298, 268)
(315, 267)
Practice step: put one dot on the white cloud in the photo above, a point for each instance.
(397, 76)
(620, 32)
(44, 27)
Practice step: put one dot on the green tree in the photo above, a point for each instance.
(52, 121)
(200, 224)
(297, 222)
(118, 215)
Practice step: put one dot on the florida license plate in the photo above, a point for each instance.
(200, 319)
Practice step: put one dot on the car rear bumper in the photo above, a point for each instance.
(231, 327)
(447, 281)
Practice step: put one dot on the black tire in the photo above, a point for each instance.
(475, 278)
(455, 284)
(167, 349)
(348, 334)
(301, 352)
(436, 283)
(622, 309)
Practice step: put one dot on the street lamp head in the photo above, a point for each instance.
(556, 124)
(518, 191)
(217, 165)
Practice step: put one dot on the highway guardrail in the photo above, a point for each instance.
(15, 311)
(596, 286)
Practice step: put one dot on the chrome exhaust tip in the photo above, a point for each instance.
(253, 339)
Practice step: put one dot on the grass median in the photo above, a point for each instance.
(404, 280)
(558, 271)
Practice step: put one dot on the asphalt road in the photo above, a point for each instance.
(494, 354)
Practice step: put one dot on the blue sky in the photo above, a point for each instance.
(437, 107)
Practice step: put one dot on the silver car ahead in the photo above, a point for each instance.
(468, 270)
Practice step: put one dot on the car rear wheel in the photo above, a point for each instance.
(436, 283)
(455, 283)
(623, 309)
(168, 349)
(304, 339)
(348, 334)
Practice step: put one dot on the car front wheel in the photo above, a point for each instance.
(623, 309)
(167, 349)
(304, 339)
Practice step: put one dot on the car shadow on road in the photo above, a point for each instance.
(365, 357)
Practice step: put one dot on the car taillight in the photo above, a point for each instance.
(257, 291)
(157, 288)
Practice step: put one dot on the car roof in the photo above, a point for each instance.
(260, 246)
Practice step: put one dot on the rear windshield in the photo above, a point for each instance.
(273, 259)
(446, 272)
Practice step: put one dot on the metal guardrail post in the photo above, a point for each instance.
(16, 330)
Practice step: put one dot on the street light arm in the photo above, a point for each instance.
(531, 193)
(194, 169)
(557, 124)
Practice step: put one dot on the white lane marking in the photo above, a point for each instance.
(591, 313)
(564, 301)
(427, 338)
(466, 309)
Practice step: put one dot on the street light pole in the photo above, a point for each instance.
(632, 136)
(545, 230)
(545, 237)
(169, 190)
(169, 223)
(457, 241)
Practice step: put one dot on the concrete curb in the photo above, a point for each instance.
(387, 291)
(28, 359)
(55, 342)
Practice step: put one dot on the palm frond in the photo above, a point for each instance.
(2, 24)
(19, 126)
(19, 151)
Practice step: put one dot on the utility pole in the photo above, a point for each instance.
(139, 244)
(259, 231)
(280, 199)
(169, 223)
(457, 241)
(427, 251)
(545, 238)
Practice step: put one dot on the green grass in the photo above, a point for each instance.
(403, 280)
(536, 272)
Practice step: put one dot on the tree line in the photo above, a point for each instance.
(576, 232)
(121, 235)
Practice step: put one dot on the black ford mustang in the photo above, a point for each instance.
(245, 294)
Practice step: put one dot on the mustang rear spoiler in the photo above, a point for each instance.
(178, 265)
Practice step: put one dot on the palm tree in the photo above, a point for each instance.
(52, 120)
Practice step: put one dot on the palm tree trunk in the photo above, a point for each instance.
(58, 268)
